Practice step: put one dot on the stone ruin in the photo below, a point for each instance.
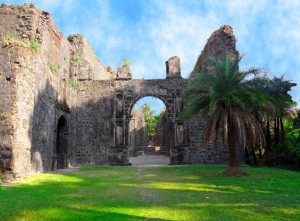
(60, 107)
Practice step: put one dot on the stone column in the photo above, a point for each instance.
(119, 135)
(179, 134)
(173, 67)
(119, 106)
(178, 105)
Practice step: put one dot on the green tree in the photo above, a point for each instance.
(150, 121)
(222, 94)
(272, 119)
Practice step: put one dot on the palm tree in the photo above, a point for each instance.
(222, 95)
(283, 106)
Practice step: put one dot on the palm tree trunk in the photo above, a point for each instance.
(276, 131)
(254, 157)
(268, 142)
(268, 136)
(234, 168)
(282, 132)
(233, 161)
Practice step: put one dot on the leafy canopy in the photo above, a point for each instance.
(221, 93)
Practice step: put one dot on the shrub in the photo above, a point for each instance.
(70, 37)
(72, 84)
(53, 68)
(77, 58)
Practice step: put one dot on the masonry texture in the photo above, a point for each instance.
(60, 107)
(137, 139)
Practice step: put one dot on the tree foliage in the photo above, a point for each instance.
(150, 120)
(252, 111)
(272, 120)
(223, 95)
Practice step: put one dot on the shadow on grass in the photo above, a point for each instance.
(184, 193)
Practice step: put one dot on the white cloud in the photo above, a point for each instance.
(268, 32)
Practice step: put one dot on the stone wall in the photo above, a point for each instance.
(220, 43)
(84, 63)
(8, 93)
(137, 140)
(36, 88)
(94, 124)
(44, 78)
(160, 138)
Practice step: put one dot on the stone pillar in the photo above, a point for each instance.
(119, 135)
(124, 73)
(119, 106)
(179, 134)
(173, 67)
(178, 105)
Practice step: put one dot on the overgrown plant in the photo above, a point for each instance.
(72, 84)
(34, 46)
(70, 37)
(53, 68)
(24, 8)
(11, 39)
(77, 58)
(125, 63)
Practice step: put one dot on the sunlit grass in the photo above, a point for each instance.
(161, 193)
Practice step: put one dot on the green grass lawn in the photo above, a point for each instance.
(161, 193)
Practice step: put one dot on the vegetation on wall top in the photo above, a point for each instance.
(72, 84)
(12, 39)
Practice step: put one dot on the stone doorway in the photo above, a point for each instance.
(127, 93)
(60, 155)
(148, 136)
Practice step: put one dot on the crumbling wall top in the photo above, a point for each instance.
(84, 61)
(220, 43)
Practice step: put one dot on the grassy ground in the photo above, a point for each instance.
(162, 193)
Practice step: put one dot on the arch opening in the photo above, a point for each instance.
(149, 132)
(60, 153)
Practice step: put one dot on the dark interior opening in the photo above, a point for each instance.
(61, 150)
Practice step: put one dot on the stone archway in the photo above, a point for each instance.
(61, 151)
(139, 143)
(128, 92)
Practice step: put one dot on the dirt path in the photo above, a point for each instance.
(150, 160)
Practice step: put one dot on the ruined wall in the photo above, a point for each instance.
(37, 87)
(137, 140)
(84, 63)
(220, 43)
(8, 90)
(34, 42)
(43, 76)
(13, 28)
(94, 127)
(160, 137)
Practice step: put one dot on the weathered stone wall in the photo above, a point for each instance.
(137, 140)
(43, 77)
(37, 87)
(84, 63)
(94, 125)
(220, 43)
(8, 90)
(160, 137)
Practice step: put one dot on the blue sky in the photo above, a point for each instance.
(149, 32)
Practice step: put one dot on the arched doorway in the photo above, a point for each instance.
(60, 154)
(127, 93)
(148, 132)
